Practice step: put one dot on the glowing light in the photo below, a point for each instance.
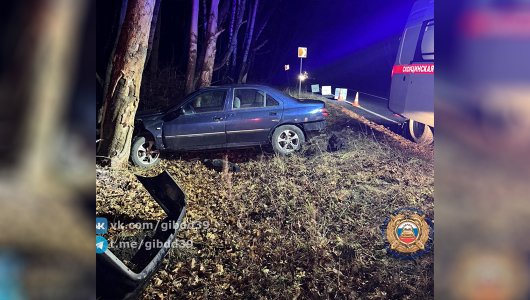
(303, 76)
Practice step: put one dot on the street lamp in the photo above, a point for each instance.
(302, 77)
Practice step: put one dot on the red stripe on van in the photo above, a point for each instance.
(413, 69)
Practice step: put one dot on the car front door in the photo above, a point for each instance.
(251, 116)
(199, 123)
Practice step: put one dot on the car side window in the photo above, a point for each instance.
(271, 101)
(248, 98)
(210, 101)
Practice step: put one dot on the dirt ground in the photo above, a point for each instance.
(304, 226)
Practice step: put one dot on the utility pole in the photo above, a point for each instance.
(300, 79)
(302, 53)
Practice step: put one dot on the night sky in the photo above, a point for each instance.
(351, 44)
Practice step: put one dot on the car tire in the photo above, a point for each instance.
(144, 153)
(420, 133)
(287, 139)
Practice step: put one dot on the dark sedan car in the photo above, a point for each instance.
(233, 116)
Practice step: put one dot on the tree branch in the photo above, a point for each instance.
(100, 81)
(219, 33)
(260, 45)
(226, 58)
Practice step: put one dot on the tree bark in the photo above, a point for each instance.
(244, 62)
(192, 56)
(211, 46)
(121, 101)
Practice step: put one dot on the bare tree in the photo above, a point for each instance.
(212, 34)
(248, 42)
(154, 31)
(152, 59)
(123, 9)
(192, 56)
(205, 14)
(121, 100)
(236, 21)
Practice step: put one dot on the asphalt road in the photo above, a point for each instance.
(375, 109)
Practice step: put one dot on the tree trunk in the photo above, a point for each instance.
(154, 30)
(192, 56)
(123, 9)
(240, 15)
(121, 101)
(232, 21)
(36, 88)
(153, 59)
(201, 46)
(232, 37)
(205, 14)
(244, 62)
(211, 46)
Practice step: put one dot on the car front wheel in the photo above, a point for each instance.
(144, 153)
(287, 139)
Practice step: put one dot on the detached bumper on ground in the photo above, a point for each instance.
(117, 281)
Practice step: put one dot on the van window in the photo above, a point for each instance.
(427, 43)
(425, 46)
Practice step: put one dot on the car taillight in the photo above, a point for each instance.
(325, 112)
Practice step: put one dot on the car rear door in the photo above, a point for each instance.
(200, 124)
(251, 115)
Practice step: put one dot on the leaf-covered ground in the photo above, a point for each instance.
(305, 226)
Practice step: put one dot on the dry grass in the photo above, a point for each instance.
(305, 226)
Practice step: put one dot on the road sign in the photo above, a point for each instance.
(302, 52)
(315, 88)
(326, 90)
(341, 94)
(286, 67)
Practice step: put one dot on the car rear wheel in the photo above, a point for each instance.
(420, 133)
(144, 153)
(287, 139)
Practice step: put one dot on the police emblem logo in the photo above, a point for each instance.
(407, 231)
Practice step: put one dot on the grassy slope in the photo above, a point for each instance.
(303, 226)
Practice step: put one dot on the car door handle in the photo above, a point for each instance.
(273, 113)
(218, 119)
